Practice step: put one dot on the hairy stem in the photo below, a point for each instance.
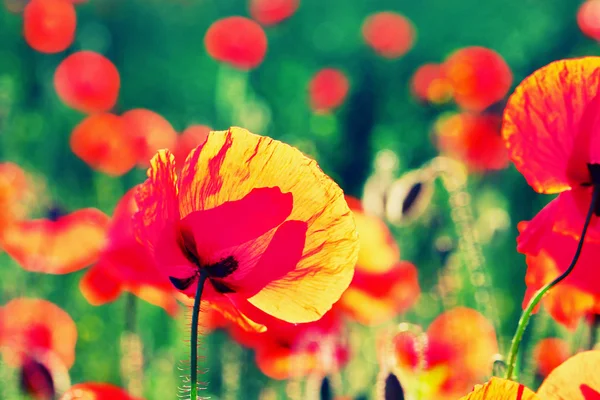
(526, 315)
(194, 338)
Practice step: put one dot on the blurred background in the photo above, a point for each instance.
(380, 124)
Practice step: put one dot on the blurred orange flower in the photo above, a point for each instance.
(237, 41)
(49, 25)
(461, 345)
(96, 391)
(429, 84)
(588, 18)
(479, 77)
(272, 12)
(390, 34)
(102, 142)
(548, 125)
(473, 139)
(88, 82)
(328, 89)
(549, 353)
(268, 228)
(192, 137)
(13, 187)
(125, 264)
(59, 244)
(382, 286)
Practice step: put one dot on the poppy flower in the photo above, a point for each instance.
(588, 18)
(150, 132)
(57, 245)
(125, 264)
(549, 353)
(96, 391)
(575, 379)
(237, 41)
(272, 12)
(36, 326)
(473, 139)
(102, 142)
(192, 137)
(382, 286)
(328, 89)
(266, 226)
(479, 77)
(13, 188)
(461, 344)
(88, 82)
(430, 85)
(548, 125)
(49, 25)
(548, 254)
(501, 389)
(390, 34)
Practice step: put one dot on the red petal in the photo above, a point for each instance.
(98, 287)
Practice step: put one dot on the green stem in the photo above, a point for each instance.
(594, 325)
(526, 315)
(130, 313)
(194, 338)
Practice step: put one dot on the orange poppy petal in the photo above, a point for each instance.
(96, 391)
(66, 245)
(549, 353)
(230, 165)
(281, 363)
(28, 325)
(575, 379)
(158, 296)
(13, 187)
(571, 210)
(501, 389)
(98, 287)
(543, 125)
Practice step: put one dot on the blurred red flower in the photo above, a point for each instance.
(125, 264)
(588, 18)
(261, 220)
(382, 286)
(192, 137)
(473, 139)
(548, 125)
(479, 77)
(103, 142)
(13, 188)
(88, 82)
(461, 345)
(237, 41)
(328, 89)
(57, 245)
(150, 132)
(272, 12)
(96, 391)
(49, 25)
(390, 34)
(429, 84)
(549, 353)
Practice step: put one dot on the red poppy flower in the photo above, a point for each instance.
(150, 132)
(382, 286)
(96, 391)
(479, 77)
(29, 326)
(549, 353)
(237, 41)
(575, 379)
(429, 84)
(272, 12)
(328, 89)
(189, 139)
(588, 18)
(472, 139)
(461, 344)
(13, 187)
(287, 350)
(268, 228)
(548, 254)
(57, 246)
(88, 82)
(49, 25)
(390, 34)
(125, 264)
(548, 125)
(102, 142)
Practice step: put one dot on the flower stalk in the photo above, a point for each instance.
(194, 337)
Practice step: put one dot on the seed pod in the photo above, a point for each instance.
(408, 197)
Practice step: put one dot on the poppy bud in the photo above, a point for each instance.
(36, 380)
(392, 389)
(326, 392)
(408, 197)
